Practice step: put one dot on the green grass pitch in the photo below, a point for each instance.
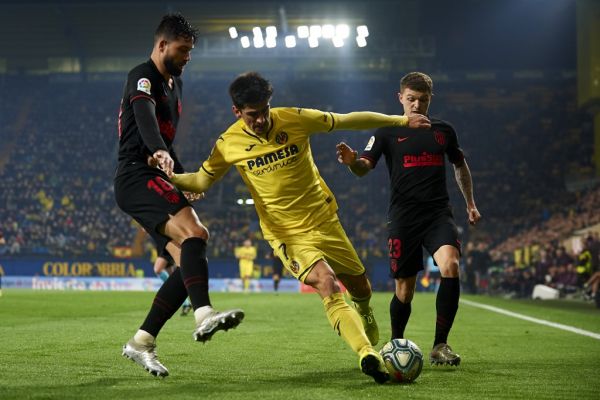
(67, 345)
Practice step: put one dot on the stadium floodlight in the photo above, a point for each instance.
(342, 31)
(257, 32)
(328, 31)
(258, 41)
(362, 30)
(313, 42)
(361, 41)
(290, 41)
(240, 201)
(316, 31)
(233, 32)
(271, 31)
(271, 42)
(249, 201)
(245, 41)
(338, 41)
(303, 31)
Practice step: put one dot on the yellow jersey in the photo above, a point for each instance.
(289, 194)
(246, 255)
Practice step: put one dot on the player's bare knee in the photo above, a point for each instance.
(405, 296)
(326, 284)
(196, 231)
(449, 268)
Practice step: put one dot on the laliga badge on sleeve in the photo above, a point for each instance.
(143, 85)
(370, 144)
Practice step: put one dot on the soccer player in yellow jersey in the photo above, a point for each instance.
(270, 148)
(246, 254)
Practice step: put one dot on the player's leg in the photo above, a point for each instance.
(245, 274)
(141, 348)
(187, 231)
(276, 279)
(359, 289)
(406, 260)
(165, 265)
(146, 195)
(160, 268)
(346, 264)
(401, 305)
(442, 242)
(345, 321)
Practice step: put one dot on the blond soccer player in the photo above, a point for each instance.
(270, 149)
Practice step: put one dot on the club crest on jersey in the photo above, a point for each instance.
(439, 137)
(294, 266)
(370, 144)
(143, 85)
(281, 138)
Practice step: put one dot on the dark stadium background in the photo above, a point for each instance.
(518, 80)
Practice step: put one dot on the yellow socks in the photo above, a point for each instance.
(361, 304)
(345, 321)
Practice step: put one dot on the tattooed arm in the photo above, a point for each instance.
(465, 184)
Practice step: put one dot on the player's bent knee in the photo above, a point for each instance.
(195, 231)
(449, 269)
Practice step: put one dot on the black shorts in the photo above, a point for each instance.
(147, 195)
(405, 243)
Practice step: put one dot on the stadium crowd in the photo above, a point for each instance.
(524, 143)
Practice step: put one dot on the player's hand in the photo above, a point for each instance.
(152, 162)
(473, 215)
(345, 154)
(165, 162)
(418, 121)
(191, 196)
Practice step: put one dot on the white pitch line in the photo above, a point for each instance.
(531, 319)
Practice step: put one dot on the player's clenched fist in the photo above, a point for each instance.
(418, 121)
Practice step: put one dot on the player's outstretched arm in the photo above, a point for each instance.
(195, 182)
(369, 120)
(347, 156)
(465, 183)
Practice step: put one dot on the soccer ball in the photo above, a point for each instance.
(403, 360)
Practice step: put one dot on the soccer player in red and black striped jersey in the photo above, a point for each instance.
(419, 214)
(150, 111)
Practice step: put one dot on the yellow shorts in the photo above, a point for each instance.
(328, 242)
(246, 269)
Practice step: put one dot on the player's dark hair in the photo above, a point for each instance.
(173, 26)
(250, 88)
(417, 81)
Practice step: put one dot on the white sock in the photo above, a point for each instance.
(143, 337)
(202, 312)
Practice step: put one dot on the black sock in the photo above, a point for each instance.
(276, 284)
(399, 315)
(446, 305)
(194, 271)
(167, 301)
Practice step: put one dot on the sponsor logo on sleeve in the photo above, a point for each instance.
(143, 85)
(370, 144)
